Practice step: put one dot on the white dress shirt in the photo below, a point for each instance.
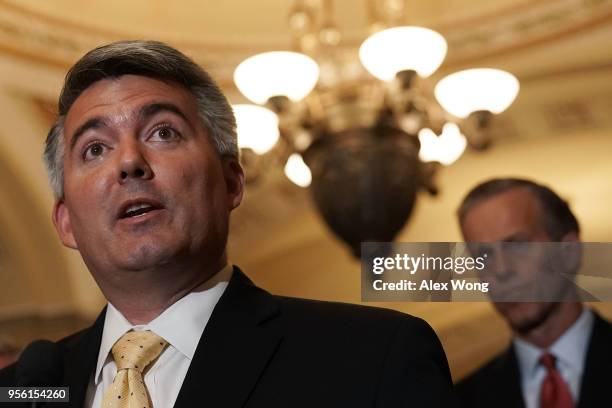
(570, 352)
(181, 325)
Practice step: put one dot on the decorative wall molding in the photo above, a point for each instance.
(50, 40)
(530, 24)
(34, 310)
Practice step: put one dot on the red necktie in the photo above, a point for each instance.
(554, 392)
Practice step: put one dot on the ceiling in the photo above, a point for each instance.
(235, 23)
(557, 131)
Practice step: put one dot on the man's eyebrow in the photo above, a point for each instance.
(93, 123)
(152, 109)
(515, 237)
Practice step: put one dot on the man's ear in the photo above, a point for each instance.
(234, 181)
(61, 221)
(571, 251)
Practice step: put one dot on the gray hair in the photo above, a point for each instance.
(145, 58)
(558, 218)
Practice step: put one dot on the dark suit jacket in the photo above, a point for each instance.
(260, 350)
(498, 384)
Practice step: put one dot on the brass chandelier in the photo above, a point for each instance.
(365, 144)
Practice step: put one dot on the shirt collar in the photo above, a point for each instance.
(569, 349)
(181, 324)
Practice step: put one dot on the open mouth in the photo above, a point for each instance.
(137, 209)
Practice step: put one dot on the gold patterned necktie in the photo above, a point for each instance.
(133, 352)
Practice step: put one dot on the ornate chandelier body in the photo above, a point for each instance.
(366, 145)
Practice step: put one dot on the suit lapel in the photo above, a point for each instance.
(594, 390)
(80, 356)
(241, 336)
(509, 376)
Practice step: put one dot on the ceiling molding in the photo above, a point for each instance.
(47, 39)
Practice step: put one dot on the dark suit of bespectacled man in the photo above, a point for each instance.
(143, 162)
(560, 354)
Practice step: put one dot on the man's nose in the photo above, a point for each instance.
(503, 265)
(132, 162)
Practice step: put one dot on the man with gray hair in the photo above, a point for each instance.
(560, 354)
(143, 162)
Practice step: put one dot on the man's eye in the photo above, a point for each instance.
(165, 134)
(93, 150)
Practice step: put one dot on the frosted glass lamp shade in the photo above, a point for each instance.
(297, 171)
(446, 148)
(257, 127)
(277, 73)
(390, 51)
(478, 89)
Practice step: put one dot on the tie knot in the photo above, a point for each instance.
(136, 349)
(548, 361)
